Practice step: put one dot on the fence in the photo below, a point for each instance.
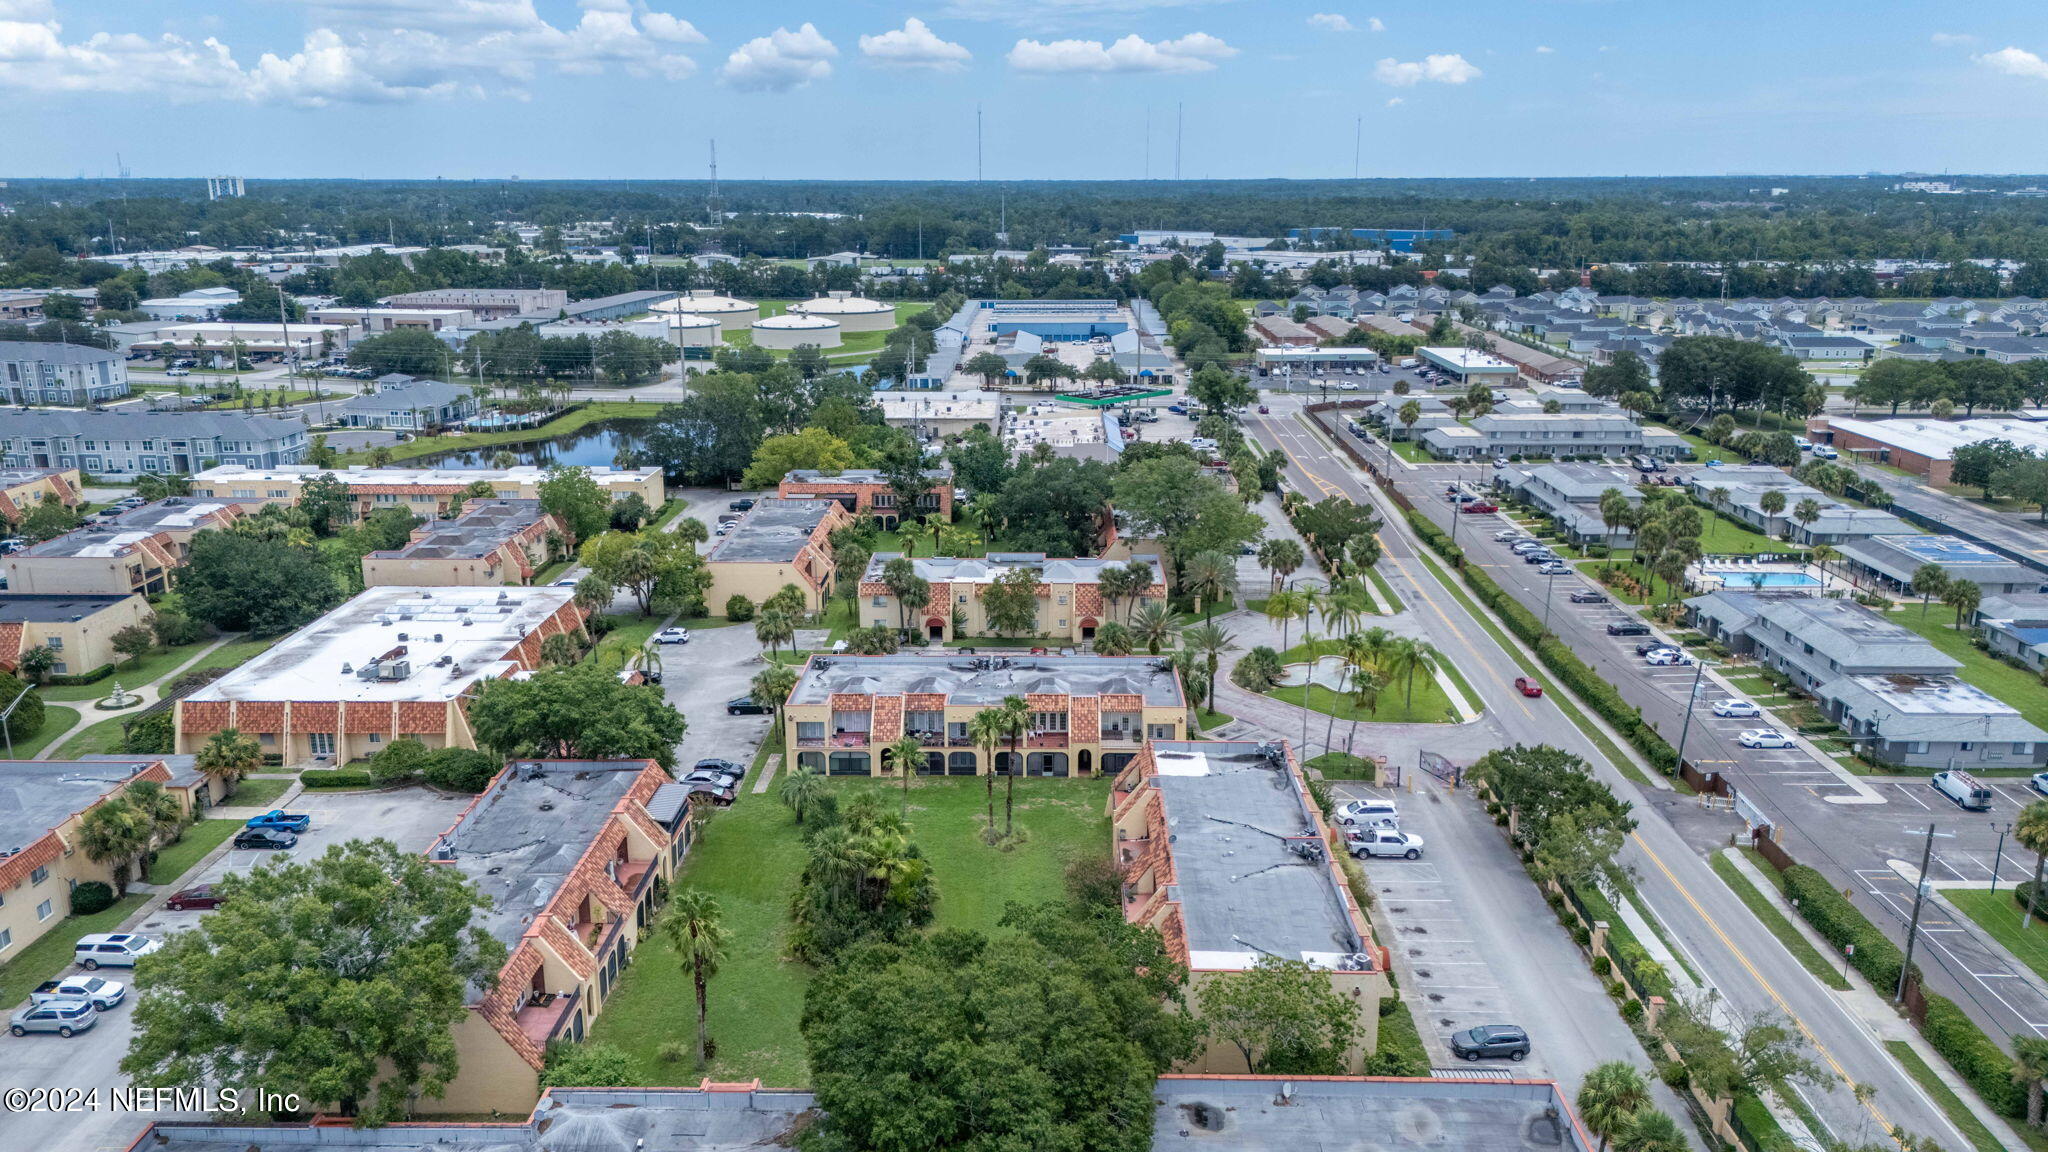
(1441, 768)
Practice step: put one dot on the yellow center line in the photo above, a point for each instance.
(1770, 991)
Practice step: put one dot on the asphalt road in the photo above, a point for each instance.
(1718, 935)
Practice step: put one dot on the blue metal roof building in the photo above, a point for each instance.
(1396, 239)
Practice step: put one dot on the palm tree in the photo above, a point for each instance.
(1016, 717)
(1281, 556)
(1405, 656)
(906, 752)
(772, 627)
(1964, 596)
(1609, 1099)
(1771, 502)
(987, 729)
(1650, 1131)
(1114, 639)
(1929, 581)
(1210, 576)
(1822, 554)
(162, 812)
(228, 755)
(1283, 606)
(1153, 624)
(2031, 832)
(1806, 512)
(2029, 1068)
(800, 791)
(695, 926)
(1210, 642)
(115, 833)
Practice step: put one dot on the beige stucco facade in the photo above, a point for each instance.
(21, 491)
(78, 629)
(426, 492)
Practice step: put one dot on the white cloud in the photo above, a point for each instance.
(26, 10)
(1395, 102)
(915, 45)
(2015, 62)
(1375, 24)
(670, 29)
(1332, 22)
(1952, 39)
(1048, 12)
(1194, 52)
(781, 60)
(1437, 68)
(1544, 49)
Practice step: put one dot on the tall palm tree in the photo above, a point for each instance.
(987, 730)
(1016, 717)
(1153, 624)
(906, 752)
(228, 755)
(1114, 639)
(799, 791)
(1280, 556)
(2031, 832)
(162, 812)
(1821, 554)
(1210, 642)
(772, 627)
(1282, 607)
(115, 833)
(1210, 576)
(1406, 656)
(2029, 1068)
(1610, 1097)
(695, 926)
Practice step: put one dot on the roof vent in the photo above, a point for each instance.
(437, 637)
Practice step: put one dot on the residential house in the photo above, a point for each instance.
(493, 542)
(409, 404)
(2015, 627)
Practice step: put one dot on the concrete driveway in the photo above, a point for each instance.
(410, 818)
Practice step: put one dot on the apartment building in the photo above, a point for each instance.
(493, 542)
(427, 492)
(21, 489)
(390, 662)
(1895, 694)
(1070, 601)
(777, 543)
(41, 860)
(866, 490)
(1570, 494)
(137, 551)
(126, 443)
(1089, 714)
(1226, 854)
(2015, 626)
(77, 628)
(571, 854)
(71, 375)
(1551, 434)
(1889, 563)
(410, 404)
(1742, 490)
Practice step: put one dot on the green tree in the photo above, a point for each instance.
(771, 687)
(808, 449)
(1964, 596)
(1210, 643)
(1651, 1131)
(987, 365)
(1152, 623)
(1054, 508)
(576, 713)
(1281, 556)
(695, 928)
(2031, 832)
(1257, 670)
(988, 729)
(114, 833)
(656, 567)
(383, 951)
(239, 584)
(134, 641)
(1010, 601)
(1929, 581)
(1772, 502)
(589, 1064)
(774, 627)
(1114, 639)
(576, 500)
(1282, 1016)
(800, 791)
(402, 761)
(1610, 1097)
(1210, 577)
(228, 755)
(2025, 482)
(1763, 1052)
(327, 503)
(2029, 1068)
(47, 521)
(864, 880)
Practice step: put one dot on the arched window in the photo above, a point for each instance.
(850, 764)
(961, 764)
(1046, 764)
(811, 761)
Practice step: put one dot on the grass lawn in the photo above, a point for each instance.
(199, 839)
(1384, 590)
(155, 666)
(258, 793)
(1343, 766)
(1723, 536)
(1761, 906)
(1412, 452)
(619, 644)
(583, 414)
(51, 952)
(1205, 719)
(2000, 915)
(750, 855)
(1701, 450)
(105, 736)
(277, 397)
(2022, 690)
(1185, 619)
(1430, 705)
(1952, 1105)
(57, 720)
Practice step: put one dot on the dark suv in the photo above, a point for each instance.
(1628, 628)
(1490, 1042)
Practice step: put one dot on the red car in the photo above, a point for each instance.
(1528, 687)
(1481, 506)
(201, 896)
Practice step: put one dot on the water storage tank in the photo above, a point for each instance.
(790, 331)
(732, 315)
(854, 313)
(689, 330)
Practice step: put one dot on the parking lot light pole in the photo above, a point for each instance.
(1692, 701)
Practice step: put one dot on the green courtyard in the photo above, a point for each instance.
(750, 856)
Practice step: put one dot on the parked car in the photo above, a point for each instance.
(1538, 556)
(1667, 658)
(172, 372)
(672, 636)
(1741, 709)
(1528, 687)
(281, 820)
(745, 706)
(2039, 783)
(1524, 547)
(1367, 812)
(741, 505)
(197, 896)
(1364, 842)
(1481, 506)
(112, 949)
(1554, 568)
(1490, 1042)
(97, 991)
(64, 1017)
(265, 839)
(1764, 738)
(1507, 535)
(1628, 628)
(1202, 443)
(1588, 596)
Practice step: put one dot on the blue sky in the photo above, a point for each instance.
(875, 89)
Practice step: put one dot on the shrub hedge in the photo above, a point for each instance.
(80, 679)
(1974, 1055)
(90, 897)
(337, 778)
(2022, 892)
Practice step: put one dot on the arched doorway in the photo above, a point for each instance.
(1087, 627)
(935, 628)
(1084, 762)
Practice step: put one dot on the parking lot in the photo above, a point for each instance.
(410, 819)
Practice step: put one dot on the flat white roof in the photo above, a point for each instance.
(453, 638)
(975, 405)
(605, 475)
(1468, 360)
(1936, 439)
(1366, 355)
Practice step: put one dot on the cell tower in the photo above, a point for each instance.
(222, 187)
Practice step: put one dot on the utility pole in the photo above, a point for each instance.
(1998, 857)
(1692, 698)
(1913, 928)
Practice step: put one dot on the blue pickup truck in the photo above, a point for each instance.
(282, 821)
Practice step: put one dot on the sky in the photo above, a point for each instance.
(1067, 89)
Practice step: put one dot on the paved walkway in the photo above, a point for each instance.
(148, 694)
(768, 769)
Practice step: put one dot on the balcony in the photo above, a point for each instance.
(629, 874)
(810, 741)
(1120, 736)
(543, 1015)
(1046, 740)
(849, 740)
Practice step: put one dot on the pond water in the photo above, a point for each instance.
(592, 445)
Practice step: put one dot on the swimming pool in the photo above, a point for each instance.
(1745, 578)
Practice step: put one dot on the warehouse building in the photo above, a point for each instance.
(214, 339)
(1309, 361)
(1923, 445)
(617, 307)
(377, 321)
(70, 375)
(1470, 366)
(486, 303)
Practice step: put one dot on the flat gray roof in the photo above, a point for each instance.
(38, 795)
(773, 531)
(482, 527)
(33, 608)
(1251, 873)
(52, 353)
(987, 677)
(1323, 1114)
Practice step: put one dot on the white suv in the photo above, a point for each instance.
(113, 950)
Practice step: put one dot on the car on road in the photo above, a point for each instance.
(1553, 568)
(1373, 812)
(1347, 385)
(281, 820)
(1741, 709)
(741, 505)
(97, 991)
(197, 896)
(112, 949)
(64, 1017)
(745, 706)
(1528, 687)
(1490, 1042)
(1588, 596)
(177, 371)
(1667, 658)
(1763, 738)
(1481, 506)
(1628, 628)
(265, 839)
(672, 636)
(1265, 411)
(1364, 842)
(1507, 535)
